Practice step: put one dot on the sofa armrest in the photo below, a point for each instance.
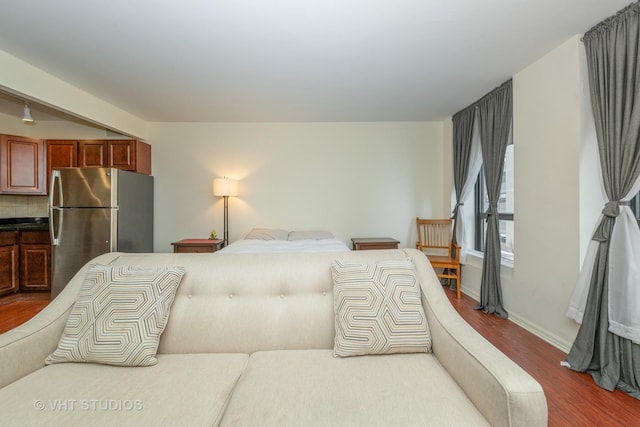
(25, 348)
(503, 392)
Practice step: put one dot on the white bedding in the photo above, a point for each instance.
(253, 246)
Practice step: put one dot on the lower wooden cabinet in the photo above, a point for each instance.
(9, 267)
(35, 261)
(25, 261)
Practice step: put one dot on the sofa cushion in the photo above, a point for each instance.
(313, 388)
(118, 316)
(186, 389)
(378, 309)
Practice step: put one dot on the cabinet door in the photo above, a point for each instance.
(143, 158)
(122, 155)
(92, 153)
(22, 165)
(8, 269)
(61, 154)
(130, 155)
(35, 267)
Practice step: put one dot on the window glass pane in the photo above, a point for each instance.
(506, 202)
(505, 207)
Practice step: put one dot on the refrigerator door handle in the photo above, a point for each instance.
(55, 178)
(55, 221)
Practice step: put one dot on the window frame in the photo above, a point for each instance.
(635, 207)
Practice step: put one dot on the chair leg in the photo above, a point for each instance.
(458, 282)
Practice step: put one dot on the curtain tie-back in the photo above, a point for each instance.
(491, 211)
(612, 209)
(454, 214)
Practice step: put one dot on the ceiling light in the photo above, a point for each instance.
(26, 114)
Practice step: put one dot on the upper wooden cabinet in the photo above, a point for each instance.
(92, 153)
(131, 155)
(22, 165)
(61, 154)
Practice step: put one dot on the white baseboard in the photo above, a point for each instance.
(541, 333)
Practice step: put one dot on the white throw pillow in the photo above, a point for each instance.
(266, 234)
(310, 235)
(378, 309)
(119, 315)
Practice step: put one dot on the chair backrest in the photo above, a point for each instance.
(434, 234)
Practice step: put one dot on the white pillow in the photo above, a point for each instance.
(267, 234)
(310, 235)
(119, 315)
(378, 309)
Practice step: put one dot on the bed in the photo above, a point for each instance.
(278, 240)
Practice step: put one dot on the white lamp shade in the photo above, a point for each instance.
(225, 187)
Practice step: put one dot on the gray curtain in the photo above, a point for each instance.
(613, 58)
(495, 113)
(462, 137)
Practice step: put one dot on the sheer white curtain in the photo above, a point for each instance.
(464, 222)
(623, 275)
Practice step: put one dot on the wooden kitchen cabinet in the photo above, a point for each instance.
(130, 155)
(9, 254)
(35, 261)
(25, 261)
(69, 153)
(22, 165)
(127, 154)
(92, 153)
(61, 154)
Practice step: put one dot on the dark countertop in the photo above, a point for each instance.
(24, 224)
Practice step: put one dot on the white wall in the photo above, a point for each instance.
(57, 129)
(355, 179)
(31, 83)
(553, 156)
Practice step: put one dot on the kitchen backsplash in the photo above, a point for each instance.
(13, 206)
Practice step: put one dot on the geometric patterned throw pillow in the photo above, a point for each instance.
(378, 309)
(118, 316)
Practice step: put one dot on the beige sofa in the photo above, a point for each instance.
(249, 343)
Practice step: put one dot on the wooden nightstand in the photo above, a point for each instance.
(366, 243)
(197, 245)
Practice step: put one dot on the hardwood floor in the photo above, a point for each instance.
(17, 309)
(573, 398)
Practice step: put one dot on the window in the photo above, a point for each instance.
(505, 208)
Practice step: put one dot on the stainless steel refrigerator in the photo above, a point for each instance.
(93, 211)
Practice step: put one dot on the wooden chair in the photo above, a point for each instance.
(435, 240)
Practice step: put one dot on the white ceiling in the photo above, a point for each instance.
(291, 60)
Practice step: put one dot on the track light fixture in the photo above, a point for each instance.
(26, 114)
